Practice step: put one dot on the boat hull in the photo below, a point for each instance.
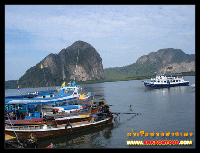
(152, 85)
(41, 133)
(29, 121)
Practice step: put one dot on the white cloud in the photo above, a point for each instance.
(108, 28)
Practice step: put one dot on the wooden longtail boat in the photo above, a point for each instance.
(46, 130)
(28, 121)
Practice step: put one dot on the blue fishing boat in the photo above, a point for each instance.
(29, 109)
(70, 86)
(42, 98)
(99, 115)
(35, 94)
(167, 80)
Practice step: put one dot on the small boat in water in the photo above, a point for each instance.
(167, 80)
(98, 116)
(41, 131)
(35, 100)
(70, 86)
(25, 110)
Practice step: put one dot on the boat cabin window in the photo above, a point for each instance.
(165, 81)
(158, 81)
(173, 80)
(176, 80)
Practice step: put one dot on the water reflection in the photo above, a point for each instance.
(171, 90)
(89, 138)
(160, 98)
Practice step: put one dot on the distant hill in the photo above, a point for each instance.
(166, 60)
(10, 84)
(80, 61)
(62, 66)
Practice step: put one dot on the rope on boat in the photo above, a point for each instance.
(125, 113)
(132, 113)
(14, 130)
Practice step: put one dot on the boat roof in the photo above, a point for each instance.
(40, 101)
(72, 117)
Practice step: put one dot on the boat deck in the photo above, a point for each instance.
(41, 131)
(77, 124)
(50, 126)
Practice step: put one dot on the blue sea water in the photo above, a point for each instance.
(164, 110)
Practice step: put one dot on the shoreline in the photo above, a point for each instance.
(192, 73)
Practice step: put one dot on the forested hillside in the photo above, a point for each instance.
(154, 62)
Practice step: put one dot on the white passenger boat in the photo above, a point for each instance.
(167, 80)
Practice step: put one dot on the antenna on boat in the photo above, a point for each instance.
(77, 56)
(162, 72)
(76, 64)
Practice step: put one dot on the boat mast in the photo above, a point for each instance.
(76, 65)
(44, 77)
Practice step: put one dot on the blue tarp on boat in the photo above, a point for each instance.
(69, 107)
(21, 96)
(40, 101)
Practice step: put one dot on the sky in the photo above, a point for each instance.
(120, 33)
